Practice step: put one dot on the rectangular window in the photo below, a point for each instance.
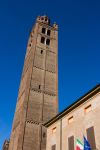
(53, 147)
(91, 137)
(71, 143)
(88, 108)
(54, 130)
(70, 120)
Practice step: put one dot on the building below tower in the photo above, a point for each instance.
(81, 118)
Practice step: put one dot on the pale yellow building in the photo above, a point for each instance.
(81, 118)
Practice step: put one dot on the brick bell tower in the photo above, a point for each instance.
(38, 93)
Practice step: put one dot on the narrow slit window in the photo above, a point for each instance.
(54, 130)
(41, 51)
(42, 40)
(88, 108)
(43, 30)
(39, 87)
(70, 120)
(48, 42)
(48, 32)
(30, 45)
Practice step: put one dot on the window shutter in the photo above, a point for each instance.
(91, 137)
(53, 147)
(71, 143)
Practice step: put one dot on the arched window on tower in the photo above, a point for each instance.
(42, 40)
(48, 42)
(43, 30)
(48, 32)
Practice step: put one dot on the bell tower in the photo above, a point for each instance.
(38, 93)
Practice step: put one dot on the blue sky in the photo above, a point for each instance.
(79, 49)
